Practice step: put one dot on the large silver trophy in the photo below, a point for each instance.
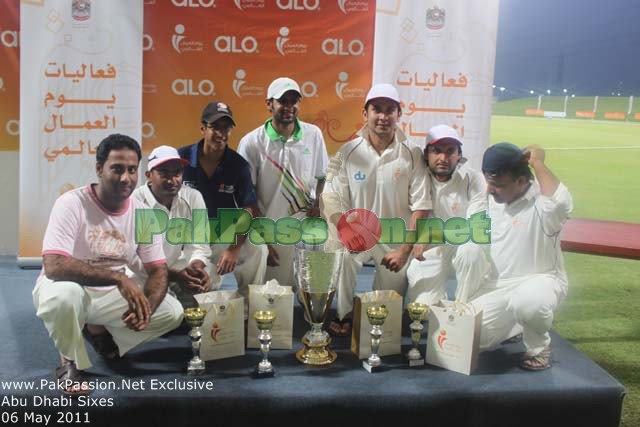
(316, 276)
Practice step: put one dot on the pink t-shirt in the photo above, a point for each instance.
(81, 227)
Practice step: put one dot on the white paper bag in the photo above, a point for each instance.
(223, 327)
(279, 299)
(391, 339)
(453, 341)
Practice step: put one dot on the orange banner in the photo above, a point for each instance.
(615, 115)
(197, 51)
(586, 114)
(637, 116)
(9, 76)
(534, 112)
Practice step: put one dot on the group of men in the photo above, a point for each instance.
(100, 284)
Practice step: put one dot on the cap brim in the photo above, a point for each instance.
(435, 141)
(218, 116)
(183, 161)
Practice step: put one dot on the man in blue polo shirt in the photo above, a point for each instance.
(224, 179)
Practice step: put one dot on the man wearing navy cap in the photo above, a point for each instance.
(527, 215)
(459, 191)
(224, 179)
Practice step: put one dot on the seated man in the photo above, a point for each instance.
(378, 172)
(188, 263)
(89, 240)
(224, 179)
(457, 190)
(527, 216)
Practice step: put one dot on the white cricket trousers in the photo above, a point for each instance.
(384, 278)
(65, 307)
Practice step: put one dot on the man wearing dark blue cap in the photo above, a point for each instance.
(527, 215)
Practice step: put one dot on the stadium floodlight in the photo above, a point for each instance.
(548, 91)
(493, 86)
(573, 95)
(564, 90)
(502, 88)
(531, 92)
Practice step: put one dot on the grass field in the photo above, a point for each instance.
(600, 315)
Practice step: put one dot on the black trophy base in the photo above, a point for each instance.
(257, 374)
(372, 369)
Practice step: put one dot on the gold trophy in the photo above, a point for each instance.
(264, 320)
(316, 274)
(195, 317)
(417, 313)
(376, 316)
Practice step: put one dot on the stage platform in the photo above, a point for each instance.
(575, 392)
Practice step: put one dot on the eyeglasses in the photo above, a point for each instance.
(218, 127)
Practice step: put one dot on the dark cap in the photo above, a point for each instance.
(501, 157)
(216, 110)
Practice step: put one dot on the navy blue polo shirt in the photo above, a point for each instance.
(230, 185)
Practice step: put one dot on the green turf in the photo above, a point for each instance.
(517, 107)
(600, 315)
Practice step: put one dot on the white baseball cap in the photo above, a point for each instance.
(163, 154)
(383, 90)
(439, 132)
(280, 86)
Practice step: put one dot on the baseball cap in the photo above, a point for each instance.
(280, 86)
(440, 132)
(216, 110)
(501, 157)
(163, 154)
(383, 90)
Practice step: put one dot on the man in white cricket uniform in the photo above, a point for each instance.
(527, 216)
(288, 159)
(457, 190)
(380, 172)
(188, 262)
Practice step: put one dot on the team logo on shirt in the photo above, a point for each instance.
(223, 188)
(359, 176)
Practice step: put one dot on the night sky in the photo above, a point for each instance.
(585, 46)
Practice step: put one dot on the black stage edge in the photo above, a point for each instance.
(575, 392)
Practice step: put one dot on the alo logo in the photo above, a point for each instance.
(230, 44)
(359, 176)
(9, 38)
(147, 42)
(190, 88)
(337, 47)
(194, 3)
(298, 4)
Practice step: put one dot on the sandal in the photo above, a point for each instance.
(538, 362)
(70, 380)
(340, 328)
(103, 344)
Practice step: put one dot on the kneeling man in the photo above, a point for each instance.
(89, 241)
(527, 216)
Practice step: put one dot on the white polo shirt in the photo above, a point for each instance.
(285, 172)
(463, 195)
(182, 206)
(392, 184)
(525, 234)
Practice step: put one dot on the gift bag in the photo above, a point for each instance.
(453, 341)
(279, 299)
(223, 327)
(391, 329)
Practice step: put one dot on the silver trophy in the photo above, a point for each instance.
(195, 317)
(417, 313)
(316, 274)
(264, 321)
(376, 316)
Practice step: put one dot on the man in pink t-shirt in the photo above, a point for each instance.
(83, 290)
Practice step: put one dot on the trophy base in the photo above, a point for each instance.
(316, 354)
(416, 362)
(195, 370)
(257, 373)
(372, 369)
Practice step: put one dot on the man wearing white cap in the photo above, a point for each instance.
(457, 190)
(188, 263)
(288, 159)
(224, 179)
(378, 171)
